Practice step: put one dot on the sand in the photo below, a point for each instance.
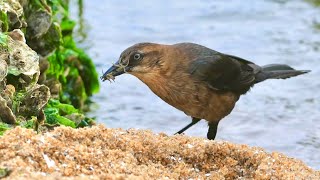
(104, 153)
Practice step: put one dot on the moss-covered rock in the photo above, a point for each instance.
(49, 33)
(11, 15)
(39, 61)
(20, 72)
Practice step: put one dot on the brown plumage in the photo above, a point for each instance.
(201, 82)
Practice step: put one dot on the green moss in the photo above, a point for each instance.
(30, 124)
(3, 40)
(18, 97)
(4, 26)
(65, 114)
(63, 108)
(54, 118)
(38, 5)
(70, 64)
(4, 172)
(3, 128)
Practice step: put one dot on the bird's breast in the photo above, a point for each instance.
(196, 99)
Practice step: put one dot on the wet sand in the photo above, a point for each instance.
(105, 153)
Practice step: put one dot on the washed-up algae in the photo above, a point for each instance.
(101, 153)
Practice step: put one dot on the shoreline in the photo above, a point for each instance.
(100, 152)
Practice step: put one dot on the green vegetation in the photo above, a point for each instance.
(317, 4)
(58, 113)
(314, 2)
(4, 21)
(75, 71)
(3, 39)
(70, 73)
(3, 127)
(4, 172)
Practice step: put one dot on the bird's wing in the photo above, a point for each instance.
(224, 72)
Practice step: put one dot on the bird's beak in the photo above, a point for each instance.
(115, 70)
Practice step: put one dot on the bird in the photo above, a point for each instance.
(201, 82)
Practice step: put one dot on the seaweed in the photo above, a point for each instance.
(3, 40)
(54, 118)
(70, 67)
(4, 127)
(58, 113)
(4, 26)
(69, 64)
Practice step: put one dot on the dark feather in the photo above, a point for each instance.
(225, 72)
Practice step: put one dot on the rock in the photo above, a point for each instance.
(8, 94)
(44, 66)
(22, 63)
(39, 23)
(12, 15)
(38, 49)
(54, 86)
(3, 69)
(22, 59)
(34, 100)
(47, 42)
(42, 34)
(20, 95)
(6, 114)
(17, 35)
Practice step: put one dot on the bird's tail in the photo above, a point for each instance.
(277, 71)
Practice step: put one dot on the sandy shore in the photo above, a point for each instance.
(103, 153)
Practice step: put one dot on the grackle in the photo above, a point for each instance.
(201, 82)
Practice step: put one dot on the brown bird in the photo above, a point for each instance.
(201, 82)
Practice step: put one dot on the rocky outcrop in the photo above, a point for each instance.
(20, 95)
(11, 15)
(39, 60)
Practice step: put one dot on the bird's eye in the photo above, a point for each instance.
(137, 56)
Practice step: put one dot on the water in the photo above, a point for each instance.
(277, 115)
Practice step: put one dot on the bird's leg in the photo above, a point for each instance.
(212, 131)
(194, 121)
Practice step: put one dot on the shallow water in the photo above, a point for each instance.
(277, 115)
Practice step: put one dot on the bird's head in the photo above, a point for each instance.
(138, 60)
